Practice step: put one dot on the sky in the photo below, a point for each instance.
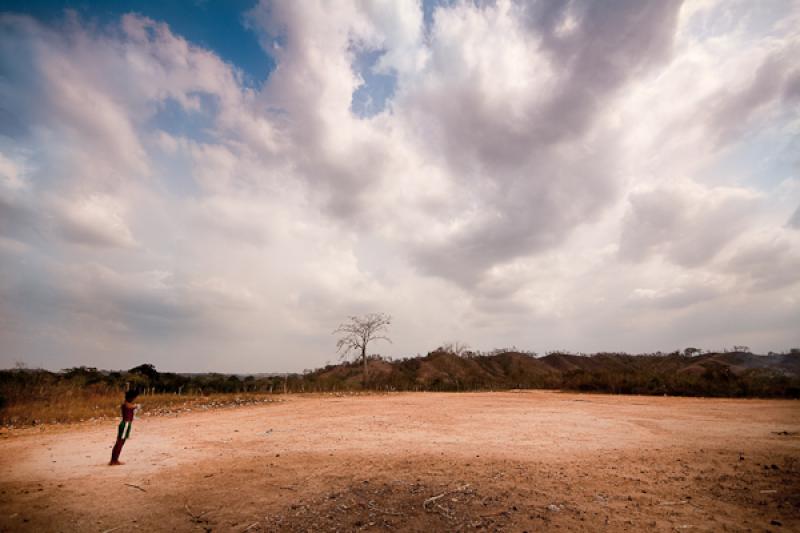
(215, 186)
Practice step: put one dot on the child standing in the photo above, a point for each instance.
(124, 430)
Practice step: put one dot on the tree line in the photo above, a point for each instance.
(732, 374)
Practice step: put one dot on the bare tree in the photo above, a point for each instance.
(458, 348)
(358, 332)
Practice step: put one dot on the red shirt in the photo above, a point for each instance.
(127, 412)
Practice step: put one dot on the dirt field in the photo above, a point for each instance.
(516, 461)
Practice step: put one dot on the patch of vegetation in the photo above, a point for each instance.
(30, 397)
(82, 393)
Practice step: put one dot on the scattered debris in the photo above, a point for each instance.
(135, 487)
(196, 518)
(374, 507)
(393, 506)
(679, 502)
(432, 499)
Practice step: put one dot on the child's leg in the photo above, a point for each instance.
(123, 432)
(117, 450)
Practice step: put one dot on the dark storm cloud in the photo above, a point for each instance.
(610, 43)
(531, 175)
(537, 174)
(527, 212)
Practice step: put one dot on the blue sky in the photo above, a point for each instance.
(214, 186)
(218, 25)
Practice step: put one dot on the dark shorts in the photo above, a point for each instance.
(124, 431)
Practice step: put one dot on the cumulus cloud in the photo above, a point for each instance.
(94, 221)
(547, 174)
(686, 223)
(516, 107)
(766, 261)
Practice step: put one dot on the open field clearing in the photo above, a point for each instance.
(511, 461)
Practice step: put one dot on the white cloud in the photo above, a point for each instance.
(766, 260)
(685, 222)
(540, 176)
(10, 174)
(94, 221)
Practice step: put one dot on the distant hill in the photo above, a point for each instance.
(711, 374)
(732, 374)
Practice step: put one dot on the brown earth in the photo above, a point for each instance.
(512, 461)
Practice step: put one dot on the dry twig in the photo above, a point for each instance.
(197, 518)
(681, 502)
(438, 497)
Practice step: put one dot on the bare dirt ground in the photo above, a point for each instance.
(514, 461)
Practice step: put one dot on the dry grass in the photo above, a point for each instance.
(66, 405)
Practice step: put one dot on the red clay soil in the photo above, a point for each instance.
(515, 461)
